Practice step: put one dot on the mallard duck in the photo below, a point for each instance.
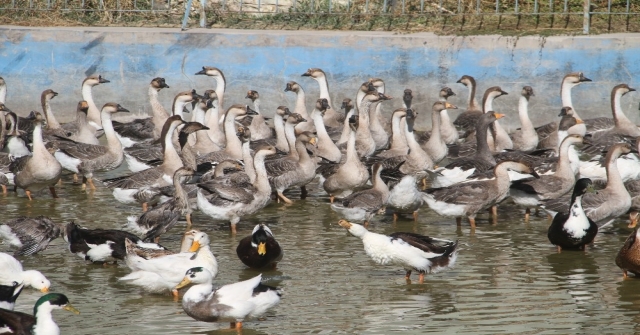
(12, 272)
(412, 251)
(260, 249)
(628, 258)
(30, 235)
(9, 294)
(573, 229)
(41, 322)
(231, 303)
(161, 274)
(101, 245)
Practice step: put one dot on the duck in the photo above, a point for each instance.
(467, 120)
(101, 245)
(325, 146)
(628, 258)
(467, 199)
(41, 322)
(414, 252)
(9, 294)
(287, 173)
(363, 205)
(148, 253)
(162, 274)
(232, 303)
(161, 218)
(29, 234)
(573, 229)
(12, 272)
(331, 117)
(260, 249)
(525, 138)
(259, 128)
(404, 195)
(86, 159)
(146, 128)
(234, 203)
(609, 203)
(300, 107)
(35, 172)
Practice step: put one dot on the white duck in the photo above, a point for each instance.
(12, 271)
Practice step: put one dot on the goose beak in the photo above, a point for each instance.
(306, 74)
(195, 246)
(102, 80)
(503, 93)
(344, 224)
(201, 72)
(583, 79)
(70, 308)
(499, 116)
(313, 141)
(262, 249)
(44, 290)
(185, 281)
(122, 109)
(632, 89)
(450, 106)
(55, 94)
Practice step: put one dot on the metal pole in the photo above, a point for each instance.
(535, 6)
(366, 6)
(384, 6)
(587, 16)
(186, 15)
(421, 6)
(224, 4)
(497, 6)
(551, 6)
(478, 7)
(459, 6)
(440, 9)
(330, 6)
(566, 6)
(609, 6)
(203, 18)
(516, 6)
(259, 5)
(276, 6)
(403, 3)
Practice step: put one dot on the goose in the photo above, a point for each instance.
(365, 146)
(125, 187)
(12, 271)
(260, 249)
(188, 152)
(234, 303)
(290, 133)
(280, 141)
(417, 160)
(398, 146)
(85, 159)
(414, 252)
(234, 204)
(378, 124)
(533, 192)
(29, 235)
(9, 294)
(79, 130)
(53, 128)
(482, 161)
(15, 141)
(162, 274)
(300, 107)
(569, 125)
(146, 128)
(349, 109)
(363, 205)
(203, 144)
(467, 199)
(448, 131)
(3, 124)
(100, 245)
(608, 204)
(343, 179)
(525, 138)
(331, 117)
(93, 115)
(343, 136)
(221, 84)
(215, 132)
(41, 322)
(628, 258)
(325, 148)
(3, 91)
(259, 128)
(160, 219)
(287, 173)
(35, 172)
(233, 150)
(436, 146)
(468, 119)
(573, 229)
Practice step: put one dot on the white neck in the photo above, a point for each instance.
(352, 153)
(220, 88)
(345, 128)
(198, 114)
(3, 93)
(301, 108)
(614, 180)
(566, 96)
(171, 157)
(44, 321)
(234, 145)
(378, 184)
(359, 96)
(416, 153)
(436, 138)
(38, 143)
(564, 164)
(157, 109)
(93, 114)
(249, 167)
(473, 104)
(256, 105)
(324, 89)
(198, 292)
(289, 131)
(52, 123)
(178, 107)
(261, 182)
(620, 118)
(398, 141)
(113, 143)
(321, 131)
(523, 113)
(281, 137)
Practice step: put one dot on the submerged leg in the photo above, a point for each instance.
(624, 274)
(53, 192)
(395, 217)
(84, 183)
(233, 229)
(494, 214)
(285, 199)
(459, 221)
(145, 207)
(415, 216)
(633, 219)
(174, 293)
(189, 223)
(331, 198)
(4, 189)
(28, 194)
(75, 178)
(91, 185)
(407, 276)
(303, 192)
(559, 248)
(527, 212)
(472, 222)
(421, 278)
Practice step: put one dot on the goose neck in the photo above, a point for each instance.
(324, 89)
(352, 153)
(565, 92)
(3, 93)
(261, 182)
(344, 137)
(300, 103)
(256, 105)
(359, 96)
(113, 143)
(249, 167)
(52, 123)
(619, 117)
(93, 114)
(171, 157)
(234, 145)
(290, 132)
(38, 143)
(564, 163)
(303, 155)
(198, 114)
(321, 131)
(397, 140)
(614, 180)
(436, 137)
(378, 183)
(221, 86)
(523, 113)
(472, 102)
(178, 107)
(483, 149)
(281, 137)
(159, 114)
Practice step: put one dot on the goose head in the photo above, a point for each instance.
(353, 228)
(210, 94)
(367, 86)
(48, 94)
(399, 113)
(322, 105)
(265, 150)
(83, 107)
(314, 73)
(573, 139)
(211, 72)
(439, 106)
(253, 95)
(373, 96)
(295, 118)
(492, 93)
(94, 80)
(527, 92)
(467, 81)
(227, 166)
(192, 127)
(158, 83)
(4, 109)
(292, 86)
(112, 107)
(283, 111)
(238, 110)
(53, 301)
(353, 122)
(575, 79)
(184, 98)
(259, 236)
(407, 97)
(446, 92)
(197, 275)
(347, 105)
(244, 134)
(378, 84)
(622, 89)
(307, 137)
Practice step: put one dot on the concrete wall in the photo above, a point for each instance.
(33, 59)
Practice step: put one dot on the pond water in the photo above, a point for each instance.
(508, 278)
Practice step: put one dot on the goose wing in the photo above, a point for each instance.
(369, 200)
(467, 120)
(545, 184)
(424, 243)
(230, 192)
(82, 150)
(277, 167)
(463, 194)
(159, 220)
(595, 146)
(137, 180)
(140, 129)
(145, 152)
(470, 163)
(34, 233)
(599, 123)
(546, 130)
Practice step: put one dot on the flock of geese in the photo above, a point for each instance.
(230, 161)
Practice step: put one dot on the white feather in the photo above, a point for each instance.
(67, 162)
(134, 164)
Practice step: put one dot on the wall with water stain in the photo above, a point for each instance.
(34, 59)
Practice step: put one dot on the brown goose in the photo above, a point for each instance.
(331, 117)
(259, 128)
(300, 107)
(467, 120)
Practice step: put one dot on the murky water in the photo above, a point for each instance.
(508, 278)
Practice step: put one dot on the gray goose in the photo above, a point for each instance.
(259, 128)
(15, 141)
(287, 173)
(233, 149)
(331, 117)
(280, 141)
(93, 113)
(53, 128)
(525, 138)
(300, 107)
(448, 131)
(85, 159)
(436, 146)
(569, 81)
(81, 131)
(467, 120)
(203, 105)
(364, 141)
(30, 235)
(221, 84)
(378, 124)
(325, 148)
(343, 136)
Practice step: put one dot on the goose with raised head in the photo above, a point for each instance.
(162, 274)
(301, 107)
(41, 322)
(363, 205)
(232, 204)
(203, 144)
(39, 170)
(399, 146)
(378, 124)
(280, 141)
(29, 235)
(146, 128)
(259, 128)
(93, 114)
(215, 132)
(287, 173)
(343, 135)
(365, 145)
(125, 187)
(260, 249)
(569, 81)
(290, 133)
(351, 108)
(525, 138)
(331, 117)
(15, 141)
(573, 229)
(221, 85)
(467, 199)
(233, 149)
(417, 160)
(232, 303)
(80, 130)
(12, 271)
(628, 258)
(414, 252)
(468, 119)
(533, 192)
(448, 131)
(436, 147)
(569, 125)
(609, 203)
(325, 148)
(86, 159)
(52, 128)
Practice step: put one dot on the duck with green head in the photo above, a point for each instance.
(41, 322)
